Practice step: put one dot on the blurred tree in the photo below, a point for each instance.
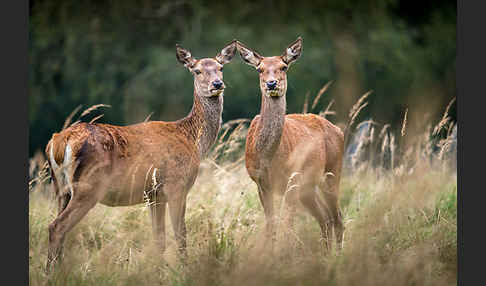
(123, 54)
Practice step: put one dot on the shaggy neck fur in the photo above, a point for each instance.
(272, 121)
(204, 121)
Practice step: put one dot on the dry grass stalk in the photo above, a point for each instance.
(372, 134)
(443, 122)
(365, 148)
(306, 102)
(146, 193)
(96, 118)
(221, 138)
(292, 184)
(392, 149)
(328, 113)
(357, 106)
(357, 112)
(370, 121)
(148, 117)
(234, 121)
(328, 110)
(450, 128)
(68, 119)
(444, 147)
(445, 118)
(353, 113)
(227, 126)
(92, 108)
(449, 106)
(383, 130)
(384, 145)
(232, 142)
(320, 93)
(235, 165)
(404, 124)
(233, 138)
(41, 177)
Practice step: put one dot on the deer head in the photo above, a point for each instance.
(208, 72)
(272, 70)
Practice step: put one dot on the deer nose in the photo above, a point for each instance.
(217, 84)
(272, 84)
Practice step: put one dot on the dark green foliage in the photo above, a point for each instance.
(122, 53)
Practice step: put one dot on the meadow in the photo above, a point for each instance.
(400, 225)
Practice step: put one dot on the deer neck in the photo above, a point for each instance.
(203, 122)
(272, 121)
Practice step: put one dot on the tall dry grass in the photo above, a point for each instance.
(400, 229)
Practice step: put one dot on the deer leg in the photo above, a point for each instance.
(310, 200)
(77, 207)
(177, 210)
(62, 202)
(158, 203)
(335, 213)
(290, 201)
(266, 199)
(157, 212)
(332, 201)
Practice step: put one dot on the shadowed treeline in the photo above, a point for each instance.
(123, 54)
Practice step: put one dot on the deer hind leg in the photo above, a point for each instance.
(62, 193)
(77, 207)
(331, 192)
(62, 198)
(310, 200)
(62, 202)
(177, 211)
(291, 210)
(157, 211)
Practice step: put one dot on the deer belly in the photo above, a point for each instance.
(121, 197)
(123, 191)
(125, 186)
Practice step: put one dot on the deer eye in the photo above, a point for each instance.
(259, 70)
(284, 68)
(197, 71)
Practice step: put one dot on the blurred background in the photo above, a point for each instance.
(122, 53)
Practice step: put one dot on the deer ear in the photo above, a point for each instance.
(185, 57)
(293, 51)
(227, 53)
(248, 55)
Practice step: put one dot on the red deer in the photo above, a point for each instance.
(280, 145)
(152, 161)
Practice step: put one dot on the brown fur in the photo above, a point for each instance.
(278, 146)
(155, 162)
(299, 130)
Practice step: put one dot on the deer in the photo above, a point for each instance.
(153, 162)
(281, 147)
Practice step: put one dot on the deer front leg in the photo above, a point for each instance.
(177, 210)
(266, 198)
(291, 213)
